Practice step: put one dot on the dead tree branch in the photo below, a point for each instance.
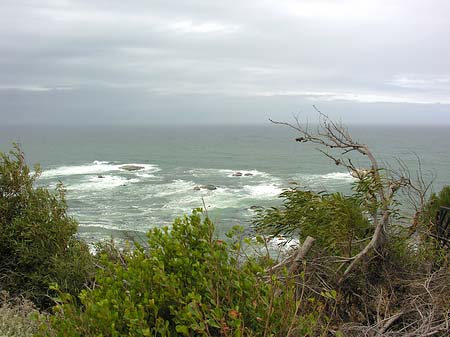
(335, 142)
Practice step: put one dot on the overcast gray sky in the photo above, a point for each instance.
(204, 61)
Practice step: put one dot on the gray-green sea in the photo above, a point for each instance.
(108, 200)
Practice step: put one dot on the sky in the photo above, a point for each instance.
(224, 62)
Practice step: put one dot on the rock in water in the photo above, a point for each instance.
(248, 174)
(209, 187)
(131, 167)
(197, 188)
(100, 176)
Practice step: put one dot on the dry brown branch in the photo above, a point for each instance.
(424, 310)
(334, 136)
(416, 189)
(335, 142)
(301, 253)
(294, 260)
(389, 321)
(389, 300)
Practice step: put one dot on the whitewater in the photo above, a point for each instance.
(232, 171)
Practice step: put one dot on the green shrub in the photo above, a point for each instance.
(37, 243)
(434, 203)
(431, 247)
(185, 283)
(336, 221)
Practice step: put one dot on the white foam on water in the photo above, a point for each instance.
(203, 172)
(109, 226)
(332, 178)
(262, 191)
(176, 187)
(187, 199)
(96, 183)
(148, 176)
(96, 167)
(183, 197)
(282, 245)
(336, 176)
(278, 247)
(284, 241)
(251, 173)
(165, 198)
(222, 197)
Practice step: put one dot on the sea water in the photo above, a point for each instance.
(108, 200)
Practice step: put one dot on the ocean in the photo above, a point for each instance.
(175, 162)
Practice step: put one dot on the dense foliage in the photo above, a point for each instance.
(184, 283)
(37, 242)
(406, 280)
(336, 221)
(435, 245)
(434, 203)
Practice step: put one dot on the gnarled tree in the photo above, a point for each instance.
(376, 186)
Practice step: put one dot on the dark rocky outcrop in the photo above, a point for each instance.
(240, 174)
(209, 187)
(131, 167)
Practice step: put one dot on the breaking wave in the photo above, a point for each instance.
(133, 200)
(327, 180)
(205, 172)
(96, 167)
(101, 182)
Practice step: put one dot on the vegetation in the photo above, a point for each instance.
(37, 238)
(336, 221)
(18, 317)
(359, 270)
(432, 206)
(187, 283)
(390, 278)
(434, 245)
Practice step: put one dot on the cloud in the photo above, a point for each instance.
(357, 97)
(33, 88)
(187, 26)
(425, 83)
(361, 11)
(351, 50)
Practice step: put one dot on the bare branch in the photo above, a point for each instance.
(334, 137)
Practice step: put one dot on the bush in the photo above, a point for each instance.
(432, 246)
(37, 242)
(434, 203)
(184, 283)
(337, 222)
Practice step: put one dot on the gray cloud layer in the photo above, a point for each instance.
(220, 61)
